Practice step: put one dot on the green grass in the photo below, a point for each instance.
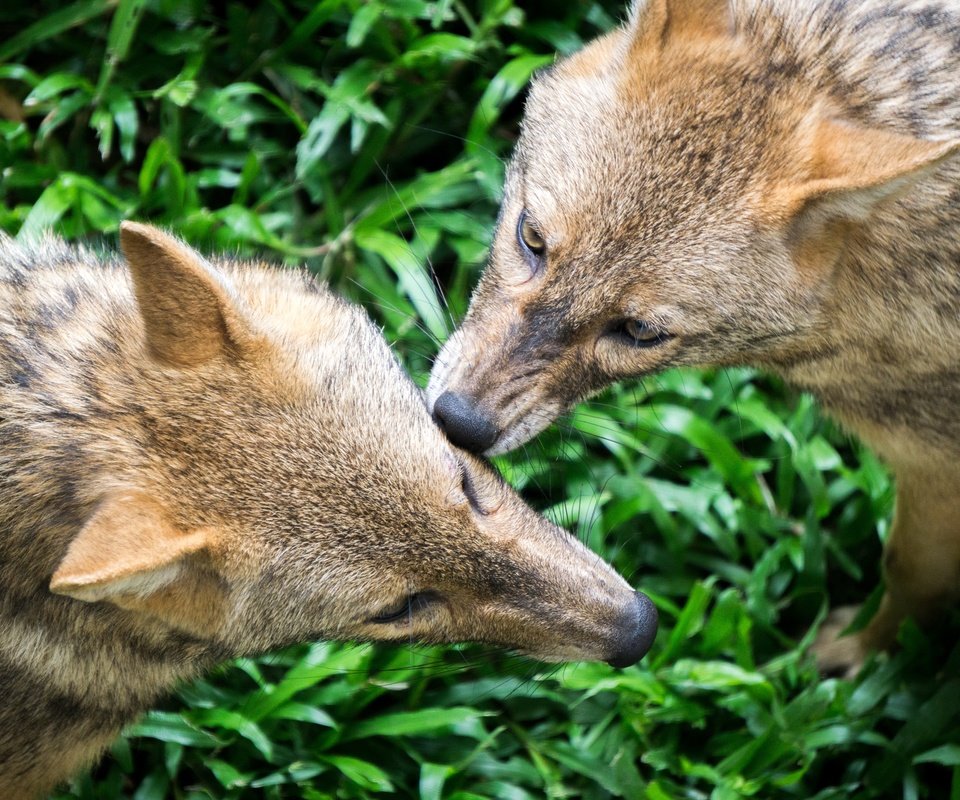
(366, 140)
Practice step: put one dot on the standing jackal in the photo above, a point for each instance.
(746, 182)
(202, 461)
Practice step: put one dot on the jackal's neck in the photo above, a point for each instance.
(73, 673)
(887, 358)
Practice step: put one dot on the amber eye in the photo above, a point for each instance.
(639, 333)
(530, 239)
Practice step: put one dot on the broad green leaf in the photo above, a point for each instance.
(363, 773)
(55, 201)
(56, 85)
(506, 84)
(171, 727)
(948, 755)
(432, 779)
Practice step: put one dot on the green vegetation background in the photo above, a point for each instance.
(366, 138)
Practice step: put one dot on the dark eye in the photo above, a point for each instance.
(406, 608)
(529, 237)
(638, 333)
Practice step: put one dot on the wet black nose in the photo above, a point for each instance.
(639, 626)
(465, 424)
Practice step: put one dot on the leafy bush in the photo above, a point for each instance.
(365, 139)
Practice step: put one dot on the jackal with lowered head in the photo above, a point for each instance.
(201, 460)
(723, 182)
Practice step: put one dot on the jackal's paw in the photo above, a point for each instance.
(837, 655)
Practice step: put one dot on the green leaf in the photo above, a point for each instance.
(432, 779)
(123, 28)
(689, 622)
(228, 776)
(234, 721)
(506, 85)
(155, 786)
(168, 726)
(947, 755)
(320, 134)
(411, 723)
(50, 207)
(52, 24)
(361, 23)
(715, 676)
(408, 262)
(363, 773)
(54, 86)
(124, 113)
(315, 666)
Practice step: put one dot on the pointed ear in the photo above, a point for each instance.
(653, 23)
(853, 169)
(130, 554)
(187, 307)
(128, 546)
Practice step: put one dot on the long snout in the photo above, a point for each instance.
(542, 591)
(574, 606)
(620, 632)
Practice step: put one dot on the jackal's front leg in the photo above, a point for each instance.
(921, 566)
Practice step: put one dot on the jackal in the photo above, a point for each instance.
(203, 460)
(748, 182)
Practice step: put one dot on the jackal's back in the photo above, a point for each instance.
(894, 64)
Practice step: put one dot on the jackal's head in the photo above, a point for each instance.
(678, 195)
(274, 476)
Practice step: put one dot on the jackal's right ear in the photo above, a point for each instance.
(131, 554)
(853, 168)
(188, 308)
(653, 23)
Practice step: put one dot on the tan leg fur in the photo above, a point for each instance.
(921, 567)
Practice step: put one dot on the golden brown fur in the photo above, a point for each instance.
(761, 182)
(201, 461)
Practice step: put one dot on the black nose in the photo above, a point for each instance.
(465, 424)
(639, 626)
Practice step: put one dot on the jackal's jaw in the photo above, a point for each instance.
(526, 423)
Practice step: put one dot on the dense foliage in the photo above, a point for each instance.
(365, 139)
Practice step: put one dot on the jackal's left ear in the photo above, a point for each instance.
(189, 309)
(851, 169)
(654, 23)
(129, 553)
